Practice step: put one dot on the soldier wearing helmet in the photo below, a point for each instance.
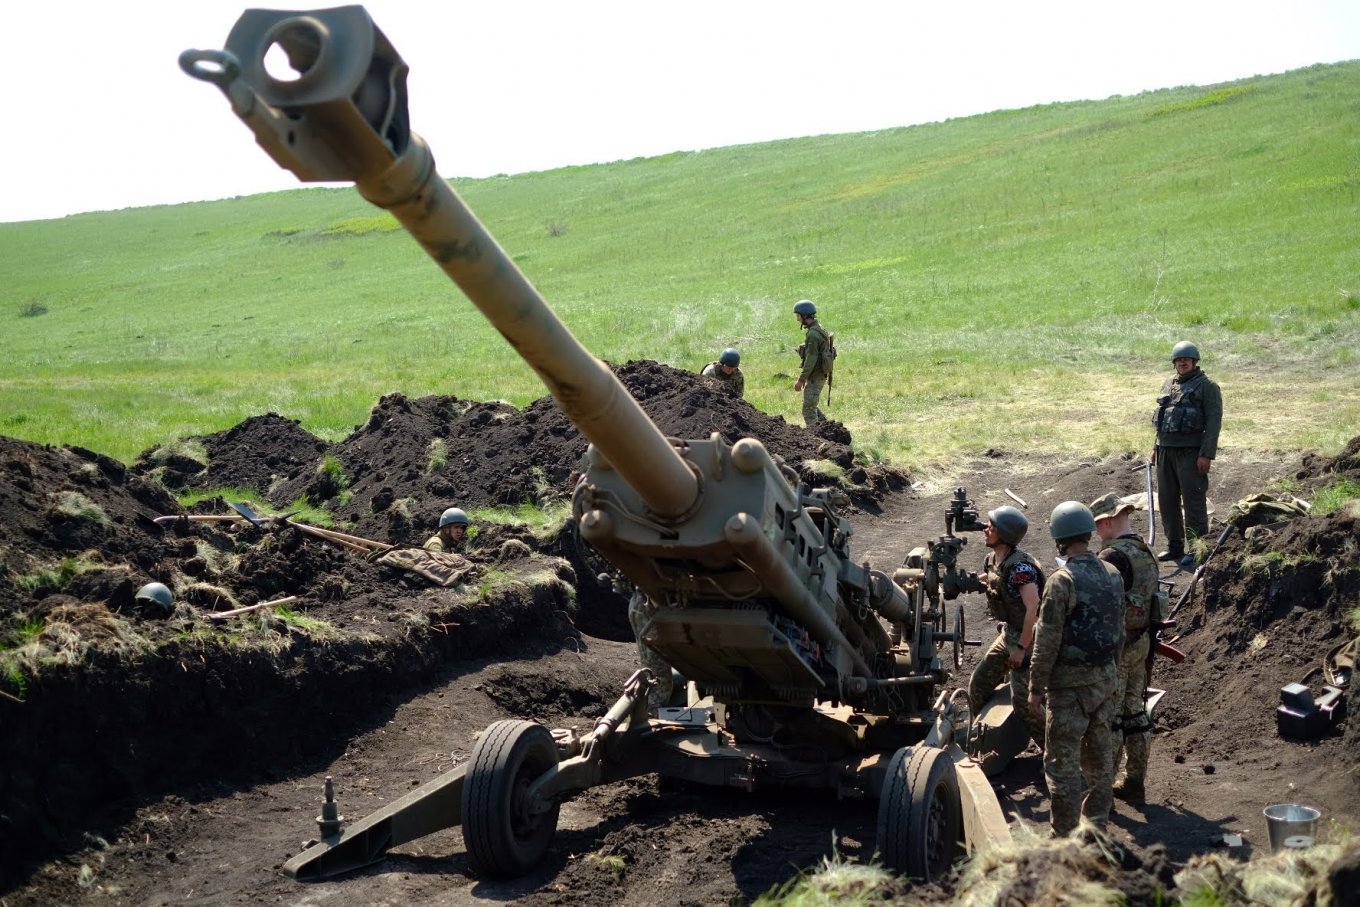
(1014, 582)
(453, 533)
(1188, 418)
(815, 354)
(1077, 643)
(727, 370)
(1137, 567)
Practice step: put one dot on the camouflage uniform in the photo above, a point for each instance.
(736, 380)
(816, 357)
(438, 542)
(1076, 647)
(1004, 584)
(1138, 569)
(1188, 418)
(639, 614)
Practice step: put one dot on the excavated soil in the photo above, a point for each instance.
(169, 759)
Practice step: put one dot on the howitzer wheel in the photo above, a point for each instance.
(920, 815)
(503, 834)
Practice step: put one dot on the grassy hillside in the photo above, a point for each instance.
(1008, 280)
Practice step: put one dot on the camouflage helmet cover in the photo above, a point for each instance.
(805, 307)
(1011, 525)
(1184, 349)
(730, 358)
(1069, 519)
(1109, 506)
(453, 515)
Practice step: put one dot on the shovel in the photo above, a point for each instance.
(344, 540)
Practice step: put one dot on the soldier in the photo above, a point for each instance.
(1188, 418)
(1014, 582)
(1137, 567)
(453, 531)
(639, 613)
(155, 600)
(727, 370)
(816, 355)
(1076, 649)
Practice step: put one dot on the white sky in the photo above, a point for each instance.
(98, 115)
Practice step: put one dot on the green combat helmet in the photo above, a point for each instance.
(730, 358)
(156, 597)
(805, 307)
(453, 515)
(1010, 524)
(1183, 349)
(1070, 519)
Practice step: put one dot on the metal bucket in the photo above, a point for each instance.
(1291, 826)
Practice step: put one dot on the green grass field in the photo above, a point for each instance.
(1013, 280)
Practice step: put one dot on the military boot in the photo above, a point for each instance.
(1174, 552)
(1130, 790)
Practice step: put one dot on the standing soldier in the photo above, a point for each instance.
(1076, 649)
(1188, 418)
(1131, 556)
(727, 370)
(816, 355)
(1014, 582)
(452, 536)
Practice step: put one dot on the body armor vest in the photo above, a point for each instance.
(1003, 603)
(1180, 408)
(1095, 628)
(1138, 597)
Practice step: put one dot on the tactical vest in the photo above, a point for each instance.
(1138, 597)
(1180, 408)
(1003, 603)
(822, 368)
(1095, 628)
(714, 370)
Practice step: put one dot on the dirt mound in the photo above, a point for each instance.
(393, 476)
(1344, 465)
(61, 502)
(256, 454)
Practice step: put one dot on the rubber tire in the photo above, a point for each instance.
(501, 839)
(920, 815)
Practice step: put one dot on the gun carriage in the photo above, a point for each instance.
(804, 669)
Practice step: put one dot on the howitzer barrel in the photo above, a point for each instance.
(345, 119)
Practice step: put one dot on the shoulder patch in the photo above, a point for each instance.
(1021, 574)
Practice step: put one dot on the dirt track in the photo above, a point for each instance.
(196, 775)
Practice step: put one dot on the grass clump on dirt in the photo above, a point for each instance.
(190, 497)
(439, 457)
(543, 520)
(840, 882)
(54, 577)
(66, 636)
(297, 621)
(78, 507)
(1335, 496)
(1287, 879)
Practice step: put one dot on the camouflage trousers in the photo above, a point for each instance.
(991, 671)
(639, 614)
(812, 392)
(1077, 755)
(1130, 711)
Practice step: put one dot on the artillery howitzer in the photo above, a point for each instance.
(808, 669)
